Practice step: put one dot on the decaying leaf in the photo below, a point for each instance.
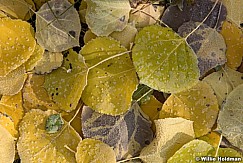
(49, 62)
(198, 104)
(174, 17)
(7, 146)
(230, 120)
(13, 82)
(65, 84)
(171, 134)
(207, 43)
(57, 26)
(223, 82)
(163, 60)
(17, 44)
(127, 133)
(192, 150)
(111, 77)
(94, 151)
(233, 37)
(36, 143)
(106, 16)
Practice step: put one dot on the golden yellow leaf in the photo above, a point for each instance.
(212, 138)
(94, 151)
(8, 124)
(36, 143)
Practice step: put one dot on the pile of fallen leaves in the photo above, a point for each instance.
(121, 81)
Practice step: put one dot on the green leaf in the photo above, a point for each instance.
(230, 120)
(106, 16)
(163, 60)
(54, 123)
(57, 26)
(142, 94)
(111, 77)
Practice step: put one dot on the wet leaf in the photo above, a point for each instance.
(174, 17)
(207, 43)
(223, 82)
(7, 146)
(94, 151)
(233, 37)
(171, 134)
(13, 82)
(127, 133)
(49, 62)
(17, 44)
(163, 60)
(105, 17)
(65, 85)
(190, 151)
(230, 117)
(57, 26)
(111, 77)
(198, 104)
(48, 147)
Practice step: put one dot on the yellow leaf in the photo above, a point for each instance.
(233, 36)
(94, 151)
(35, 143)
(8, 124)
(198, 104)
(7, 146)
(212, 138)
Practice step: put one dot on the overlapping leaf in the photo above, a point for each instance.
(57, 26)
(127, 133)
(198, 104)
(105, 16)
(163, 60)
(7, 123)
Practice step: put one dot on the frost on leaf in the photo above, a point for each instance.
(230, 121)
(17, 44)
(65, 84)
(223, 82)
(13, 82)
(49, 62)
(127, 133)
(198, 104)
(57, 26)
(47, 147)
(171, 134)
(35, 95)
(233, 37)
(111, 77)
(94, 151)
(192, 150)
(174, 17)
(7, 146)
(163, 60)
(106, 16)
(207, 43)
(54, 123)
(235, 12)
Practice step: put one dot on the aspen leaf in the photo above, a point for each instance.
(48, 147)
(48, 62)
(207, 43)
(171, 134)
(13, 82)
(88, 36)
(223, 82)
(7, 123)
(229, 152)
(142, 94)
(111, 77)
(192, 150)
(212, 138)
(7, 146)
(94, 151)
(65, 84)
(17, 44)
(163, 60)
(127, 133)
(230, 117)
(233, 37)
(106, 16)
(198, 104)
(57, 26)
(54, 123)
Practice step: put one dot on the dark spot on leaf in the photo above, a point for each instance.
(70, 66)
(226, 93)
(207, 105)
(241, 25)
(70, 105)
(122, 19)
(159, 109)
(72, 33)
(204, 97)
(67, 59)
(57, 12)
(213, 54)
(242, 77)
(56, 94)
(109, 64)
(56, 89)
(52, 94)
(147, 142)
(65, 54)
